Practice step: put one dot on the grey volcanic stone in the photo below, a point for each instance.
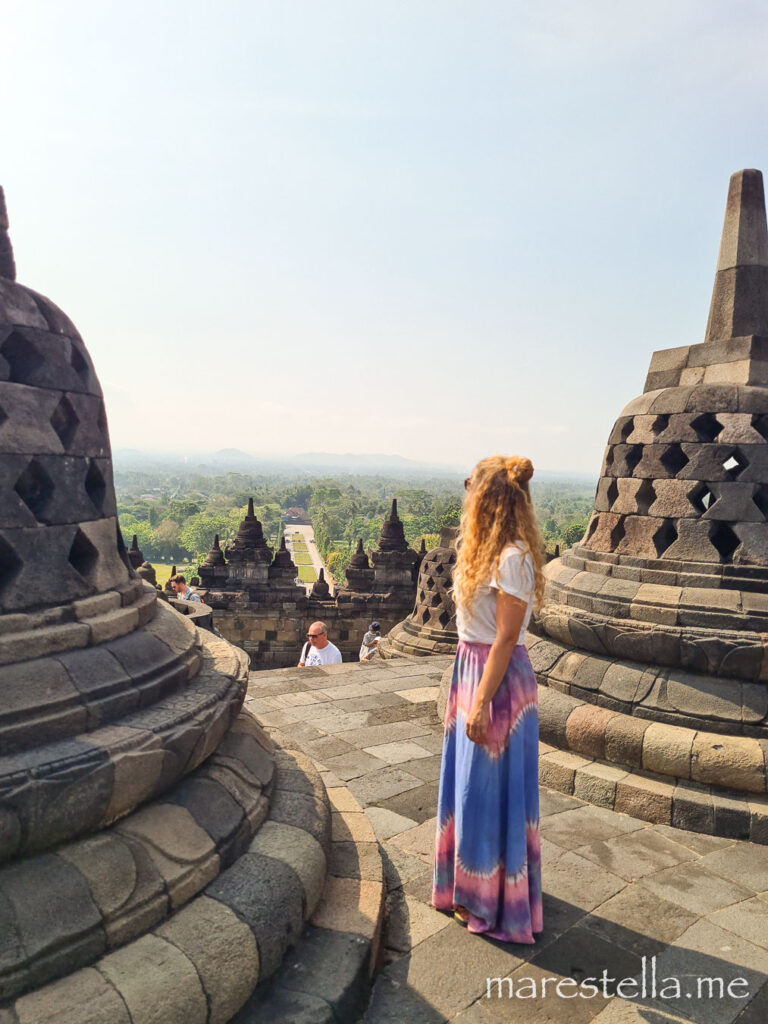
(267, 895)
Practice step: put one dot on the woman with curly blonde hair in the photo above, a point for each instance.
(487, 849)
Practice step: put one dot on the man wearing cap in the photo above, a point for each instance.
(370, 644)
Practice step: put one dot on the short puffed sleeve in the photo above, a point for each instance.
(516, 574)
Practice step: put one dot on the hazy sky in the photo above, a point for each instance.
(438, 229)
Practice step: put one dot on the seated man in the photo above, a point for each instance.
(183, 592)
(318, 650)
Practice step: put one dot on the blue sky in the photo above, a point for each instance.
(436, 229)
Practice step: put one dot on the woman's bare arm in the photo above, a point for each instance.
(510, 612)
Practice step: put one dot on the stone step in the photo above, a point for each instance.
(202, 963)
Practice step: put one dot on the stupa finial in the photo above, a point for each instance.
(740, 295)
(7, 264)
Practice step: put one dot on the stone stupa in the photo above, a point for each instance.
(142, 873)
(654, 626)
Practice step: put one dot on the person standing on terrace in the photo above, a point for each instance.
(487, 848)
(318, 650)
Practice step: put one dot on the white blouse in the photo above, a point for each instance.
(515, 577)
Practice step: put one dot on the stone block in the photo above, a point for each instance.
(214, 810)
(40, 705)
(184, 855)
(268, 896)
(554, 710)
(693, 807)
(557, 770)
(585, 729)
(223, 951)
(303, 812)
(350, 905)
(596, 783)
(667, 750)
(732, 813)
(113, 624)
(670, 359)
(300, 851)
(589, 674)
(84, 997)
(351, 826)
(56, 922)
(730, 761)
(758, 818)
(42, 641)
(136, 760)
(124, 883)
(157, 983)
(625, 682)
(645, 797)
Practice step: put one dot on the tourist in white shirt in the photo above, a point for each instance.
(318, 650)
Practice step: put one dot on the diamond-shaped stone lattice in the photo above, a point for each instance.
(35, 488)
(707, 426)
(65, 421)
(702, 498)
(760, 498)
(617, 533)
(83, 555)
(674, 459)
(633, 456)
(95, 486)
(665, 536)
(22, 357)
(760, 424)
(79, 365)
(645, 497)
(735, 464)
(660, 424)
(10, 564)
(725, 540)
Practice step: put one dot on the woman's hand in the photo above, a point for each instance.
(477, 723)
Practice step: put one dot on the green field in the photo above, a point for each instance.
(164, 572)
(302, 559)
(306, 573)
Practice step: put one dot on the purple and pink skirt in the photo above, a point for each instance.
(487, 848)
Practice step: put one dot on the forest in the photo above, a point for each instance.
(175, 515)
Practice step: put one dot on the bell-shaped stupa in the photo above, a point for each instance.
(135, 878)
(657, 619)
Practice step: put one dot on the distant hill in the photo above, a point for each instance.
(309, 464)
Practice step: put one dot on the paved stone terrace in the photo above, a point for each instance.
(616, 888)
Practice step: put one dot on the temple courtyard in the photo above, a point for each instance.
(617, 889)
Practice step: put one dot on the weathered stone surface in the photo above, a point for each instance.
(151, 965)
(733, 761)
(299, 850)
(85, 997)
(263, 892)
(184, 855)
(223, 951)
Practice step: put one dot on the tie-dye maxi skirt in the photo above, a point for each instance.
(487, 848)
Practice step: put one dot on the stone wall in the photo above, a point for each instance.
(273, 633)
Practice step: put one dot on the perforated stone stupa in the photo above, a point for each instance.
(431, 626)
(658, 618)
(136, 880)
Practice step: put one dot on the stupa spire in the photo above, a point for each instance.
(740, 295)
(7, 264)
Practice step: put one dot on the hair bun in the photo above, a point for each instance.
(520, 469)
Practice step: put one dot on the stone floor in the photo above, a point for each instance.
(617, 889)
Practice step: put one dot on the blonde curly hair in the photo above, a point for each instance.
(497, 511)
